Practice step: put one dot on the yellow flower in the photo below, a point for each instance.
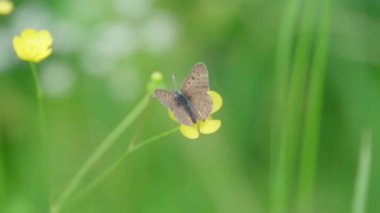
(208, 126)
(33, 46)
(6, 7)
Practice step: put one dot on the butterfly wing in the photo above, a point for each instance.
(195, 88)
(201, 105)
(197, 80)
(167, 99)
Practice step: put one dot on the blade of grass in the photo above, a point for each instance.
(313, 115)
(290, 134)
(2, 171)
(363, 173)
(281, 75)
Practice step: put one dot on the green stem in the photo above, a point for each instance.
(308, 159)
(43, 167)
(138, 146)
(290, 133)
(131, 149)
(98, 153)
(40, 96)
(363, 173)
(140, 126)
(36, 80)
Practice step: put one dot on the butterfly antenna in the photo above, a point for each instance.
(175, 85)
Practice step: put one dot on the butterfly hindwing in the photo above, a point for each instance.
(167, 98)
(202, 105)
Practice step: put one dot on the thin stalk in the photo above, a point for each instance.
(131, 149)
(40, 97)
(140, 126)
(308, 159)
(99, 152)
(363, 173)
(293, 114)
(43, 167)
(36, 80)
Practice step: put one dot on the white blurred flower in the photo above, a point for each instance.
(96, 64)
(159, 33)
(57, 78)
(115, 40)
(68, 37)
(111, 43)
(31, 15)
(133, 8)
(125, 85)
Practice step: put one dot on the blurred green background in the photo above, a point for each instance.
(103, 55)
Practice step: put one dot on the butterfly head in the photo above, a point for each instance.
(181, 99)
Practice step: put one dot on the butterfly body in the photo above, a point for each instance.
(192, 103)
(182, 101)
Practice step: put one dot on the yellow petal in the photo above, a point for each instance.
(17, 45)
(171, 115)
(29, 34)
(32, 45)
(45, 38)
(217, 101)
(190, 132)
(209, 126)
(42, 55)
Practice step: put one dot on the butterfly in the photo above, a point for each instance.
(191, 103)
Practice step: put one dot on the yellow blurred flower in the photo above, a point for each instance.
(6, 7)
(33, 46)
(208, 126)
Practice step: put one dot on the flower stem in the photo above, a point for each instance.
(43, 167)
(40, 95)
(131, 149)
(98, 153)
(37, 80)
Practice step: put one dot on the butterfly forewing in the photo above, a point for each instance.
(195, 88)
(167, 99)
(196, 81)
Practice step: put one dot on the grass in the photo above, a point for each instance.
(363, 173)
(313, 114)
(291, 130)
(2, 172)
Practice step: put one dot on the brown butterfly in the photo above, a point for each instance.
(192, 103)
